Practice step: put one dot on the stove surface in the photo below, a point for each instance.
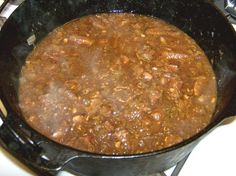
(214, 155)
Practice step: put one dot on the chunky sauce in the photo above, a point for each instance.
(117, 84)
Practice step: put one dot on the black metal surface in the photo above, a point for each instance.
(38, 17)
(230, 6)
(221, 6)
(176, 170)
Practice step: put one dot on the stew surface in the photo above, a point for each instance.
(117, 84)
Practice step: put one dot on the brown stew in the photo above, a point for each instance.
(117, 84)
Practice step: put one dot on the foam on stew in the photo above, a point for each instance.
(117, 84)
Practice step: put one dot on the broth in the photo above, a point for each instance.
(117, 84)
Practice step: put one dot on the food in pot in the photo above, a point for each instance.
(117, 84)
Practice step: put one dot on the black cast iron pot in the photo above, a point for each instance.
(200, 19)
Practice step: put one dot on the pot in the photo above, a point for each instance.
(34, 19)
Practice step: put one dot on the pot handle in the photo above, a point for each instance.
(44, 157)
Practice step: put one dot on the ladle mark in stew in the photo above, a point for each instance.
(117, 84)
